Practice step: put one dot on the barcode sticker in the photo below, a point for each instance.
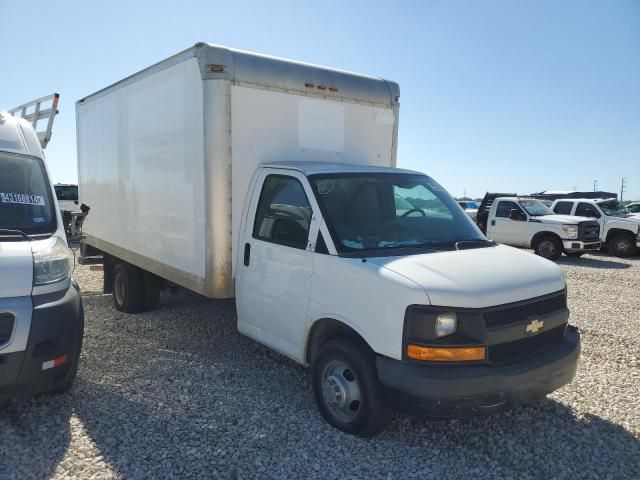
(22, 198)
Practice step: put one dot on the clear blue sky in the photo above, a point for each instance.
(495, 95)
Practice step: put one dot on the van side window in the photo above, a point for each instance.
(563, 208)
(583, 208)
(504, 208)
(284, 212)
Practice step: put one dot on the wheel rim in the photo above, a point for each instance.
(341, 391)
(118, 288)
(623, 245)
(547, 249)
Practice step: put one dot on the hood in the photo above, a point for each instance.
(16, 265)
(562, 219)
(478, 278)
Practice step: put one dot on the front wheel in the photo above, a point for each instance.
(549, 247)
(346, 388)
(623, 245)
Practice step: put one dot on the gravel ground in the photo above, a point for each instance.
(178, 393)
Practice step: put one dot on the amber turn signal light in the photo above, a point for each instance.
(446, 354)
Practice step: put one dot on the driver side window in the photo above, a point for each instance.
(284, 213)
(504, 209)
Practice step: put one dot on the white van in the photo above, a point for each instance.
(41, 314)
(237, 174)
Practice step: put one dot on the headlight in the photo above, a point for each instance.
(446, 324)
(571, 231)
(52, 264)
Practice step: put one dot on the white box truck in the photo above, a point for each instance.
(236, 174)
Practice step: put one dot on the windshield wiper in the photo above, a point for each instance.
(14, 232)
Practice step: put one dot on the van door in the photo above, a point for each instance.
(275, 261)
(504, 230)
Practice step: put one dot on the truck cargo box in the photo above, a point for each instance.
(166, 155)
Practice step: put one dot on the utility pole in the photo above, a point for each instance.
(623, 187)
(595, 185)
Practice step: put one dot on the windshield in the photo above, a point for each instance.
(535, 208)
(613, 209)
(26, 203)
(367, 212)
(66, 192)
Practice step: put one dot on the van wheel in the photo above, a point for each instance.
(346, 388)
(622, 245)
(128, 288)
(151, 291)
(549, 247)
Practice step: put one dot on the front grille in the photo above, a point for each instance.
(525, 347)
(589, 231)
(7, 321)
(520, 313)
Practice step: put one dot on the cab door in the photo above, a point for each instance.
(275, 261)
(503, 229)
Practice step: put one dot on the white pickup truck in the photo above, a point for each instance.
(231, 173)
(619, 230)
(527, 222)
(41, 315)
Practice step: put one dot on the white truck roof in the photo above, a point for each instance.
(250, 68)
(312, 168)
(17, 136)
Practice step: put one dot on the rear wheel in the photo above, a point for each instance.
(128, 288)
(549, 247)
(346, 388)
(623, 245)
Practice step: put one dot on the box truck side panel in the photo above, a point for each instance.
(141, 170)
(268, 126)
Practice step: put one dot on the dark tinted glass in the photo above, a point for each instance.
(284, 212)
(26, 202)
(504, 209)
(563, 208)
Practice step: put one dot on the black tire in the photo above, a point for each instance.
(339, 364)
(574, 254)
(549, 247)
(623, 245)
(128, 288)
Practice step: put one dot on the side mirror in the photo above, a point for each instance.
(517, 215)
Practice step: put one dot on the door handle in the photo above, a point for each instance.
(247, 253)
(493, 223)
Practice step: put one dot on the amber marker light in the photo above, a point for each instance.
(446, 354)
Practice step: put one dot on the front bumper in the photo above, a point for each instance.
(57, 327)
(453, 391)
(579, 246)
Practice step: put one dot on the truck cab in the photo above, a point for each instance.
(41, 314)
(527, 222)
(619, 230)
(379, 281)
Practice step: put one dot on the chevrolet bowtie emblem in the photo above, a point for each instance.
(533, 326)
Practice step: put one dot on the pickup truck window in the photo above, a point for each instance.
(284, 212)
(613, 209)
(563, 208)
(586, 209)
(505, 207)
(66, 192)
(535, 208)
(385, 211)
(26, 202)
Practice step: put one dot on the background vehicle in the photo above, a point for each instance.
(526, 222)
(273, 181)
(470, 207)
(41, 315)
(619, 231)
(67, 195)
(633, 208)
